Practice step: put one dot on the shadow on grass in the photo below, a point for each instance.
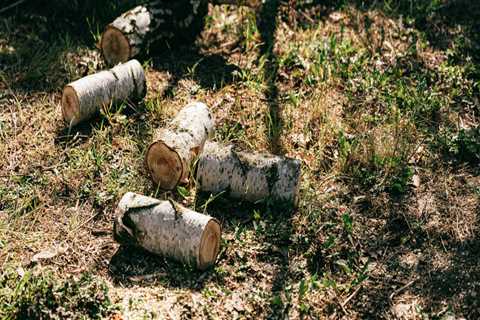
(267, 25)
(425, 269)
(134, 266)
(210, 71)
(447, 24)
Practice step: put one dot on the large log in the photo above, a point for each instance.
(168, 229)
(175, 148)
(146, 26)
(248, 176)
(83, 98)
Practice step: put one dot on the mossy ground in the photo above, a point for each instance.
(379, 101)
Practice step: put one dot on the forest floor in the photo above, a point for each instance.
(380, 102)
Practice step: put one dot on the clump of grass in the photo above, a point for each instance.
(35, 295)
(464, 146)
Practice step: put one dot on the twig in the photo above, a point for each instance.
(342, 307)
(19, 2)
(344, 303)
(394, 293)
(146, 277)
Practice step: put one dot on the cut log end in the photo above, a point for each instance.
(164, 164)
(115, 46)
(70, 106)
(209, 244)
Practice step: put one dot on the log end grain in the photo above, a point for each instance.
(164, 165)
(209, 244)
(115, 46)
(70, 106)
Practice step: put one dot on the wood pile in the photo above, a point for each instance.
(180, 152)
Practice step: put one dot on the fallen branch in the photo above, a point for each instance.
(247, 176)
(408, 284)
(13, 5)
(175, 148)
(83, 98)
(168, 229)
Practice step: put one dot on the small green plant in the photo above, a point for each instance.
(466, 145)
(347, 222)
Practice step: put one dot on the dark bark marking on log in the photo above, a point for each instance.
(243, 164)
(124, 229)
(272, 177)
(176, 209)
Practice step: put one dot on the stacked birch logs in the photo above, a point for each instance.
(180, 152)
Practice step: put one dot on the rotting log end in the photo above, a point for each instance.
(164, 165)
(115, 46)
(209, 244)
(70, 106)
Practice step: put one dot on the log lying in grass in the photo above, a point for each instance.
(83, 98)
(247, 176)
(166, 228)
(145, 26)
(175, 148)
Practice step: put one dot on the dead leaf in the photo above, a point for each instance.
(416, 180)
(47, 254)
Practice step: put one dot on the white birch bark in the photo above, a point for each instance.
(248, 176)
(176, 147)
(83, 98)
(168, 229)
(138, 29)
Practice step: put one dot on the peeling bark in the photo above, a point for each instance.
(168, 229)
(248, 176)
(83, 98)
(175, 148)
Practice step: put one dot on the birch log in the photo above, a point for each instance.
(83, 98)
(145, 26)
(175, 148)
(248, 176)
(168, 229)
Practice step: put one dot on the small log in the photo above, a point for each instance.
(175, 148)
(143, 27)
(168, 229)
(83, 98)
(248, 176)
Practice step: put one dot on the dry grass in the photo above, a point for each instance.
(379, 102)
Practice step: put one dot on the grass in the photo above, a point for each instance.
(38, 295)
(379, 100)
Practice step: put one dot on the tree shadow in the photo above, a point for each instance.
(446, 24)
(131, 266)
(40, 36)
(210, 71)
(271, 223)
(417, 260)
(267, 25)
